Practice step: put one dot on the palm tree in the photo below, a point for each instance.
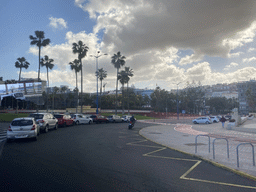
(129, 73)
(102, 74)
(55, 90)
(47, 62)
(75, 65)
(81, 49)
(118, 61)
(39, 41)
(21, 63)
(122, 77)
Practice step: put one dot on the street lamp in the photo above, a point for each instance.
(97, 77)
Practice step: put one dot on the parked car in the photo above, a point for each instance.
(81, 119)
(99, 119)
(126, 118)
(214, 119)
(23, 127)
(45, 121)
(228, 117)
(115, 119)
(206, 120)
(64, 120)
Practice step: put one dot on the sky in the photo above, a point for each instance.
(165, 42)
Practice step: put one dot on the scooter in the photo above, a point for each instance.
(131, 124)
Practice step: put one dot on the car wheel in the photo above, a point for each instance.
(89, 122)
(114, 121)
(207, 122)
(38, 132)
(195, 122)
(64, 125)
(77, 122)
(9, 141)
(46, 128)
(214, 121)
(56, 126)
(74, 123)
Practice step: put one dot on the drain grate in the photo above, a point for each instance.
(193, 144)
(154, 133)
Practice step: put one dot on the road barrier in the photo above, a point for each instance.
(253, 158)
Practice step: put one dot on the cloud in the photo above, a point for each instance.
(209, 28)
(57, 23)
(232, 65)
(191, 59)
(247, 60)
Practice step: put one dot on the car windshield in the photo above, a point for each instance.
(37, 116)
(22, 122)
(58, 116)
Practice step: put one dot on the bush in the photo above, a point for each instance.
(232, 120)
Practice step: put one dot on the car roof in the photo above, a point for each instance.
(20, 118)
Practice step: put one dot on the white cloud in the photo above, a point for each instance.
(191, 59)
(247, 60)
(228, 67)
(57, 23)
(251, 49)
(237, 54)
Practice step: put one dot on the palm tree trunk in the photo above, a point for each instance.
(47, 90)
(122, 99)
(100, 94)
(39, 63)
(76, 93)
(116, 90)
(20, 73)
(128, 95)
(81, 99)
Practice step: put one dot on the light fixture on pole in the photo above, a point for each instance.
(97, 77)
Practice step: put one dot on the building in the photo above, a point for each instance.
(244, 106)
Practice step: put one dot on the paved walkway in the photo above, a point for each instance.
(182, 136)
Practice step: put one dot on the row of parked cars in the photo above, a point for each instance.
(32, 126)
(210, 119)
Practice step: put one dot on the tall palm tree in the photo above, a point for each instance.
(81, 49)
(55, 91)
(129, 73)
(21, 63)
(118, 61)
(75, 65)
(40, 41)
(122, 77)
(47, 62)
(102, 74)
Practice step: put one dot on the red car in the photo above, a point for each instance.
(64, 120)
(99, 118)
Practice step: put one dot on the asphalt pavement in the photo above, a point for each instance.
(229, 149)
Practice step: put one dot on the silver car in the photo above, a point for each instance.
(23, 127)
(45, 121)
(206, 120)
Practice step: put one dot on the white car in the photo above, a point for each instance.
(206, 120)
(23, 127)
(81, 119)
(214, 119)
(126, 118)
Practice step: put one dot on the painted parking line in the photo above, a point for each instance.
(184, 176)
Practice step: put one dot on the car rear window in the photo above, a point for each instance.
(37, 116)
(22, 122)
(58, 116)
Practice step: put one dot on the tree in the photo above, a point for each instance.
(129, 73)
(75, 65)
(102, 74)
(118, 61)
(21, 63)
(47, 62)
(122, 77)
(40, 41)
(55, 91)
(80, 49)
(250, 97)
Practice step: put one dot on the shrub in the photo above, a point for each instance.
(232, 120)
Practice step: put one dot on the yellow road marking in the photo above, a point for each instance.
(181, 159)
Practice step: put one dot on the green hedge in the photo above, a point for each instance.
(7, 117)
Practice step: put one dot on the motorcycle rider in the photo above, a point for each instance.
(132, 119)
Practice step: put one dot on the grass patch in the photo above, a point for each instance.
(7, 117)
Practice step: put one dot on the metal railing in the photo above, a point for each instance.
(237, 155)
(196, 142)
(213, 148)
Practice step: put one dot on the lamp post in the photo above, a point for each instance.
(177, 101)
(97, 77)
